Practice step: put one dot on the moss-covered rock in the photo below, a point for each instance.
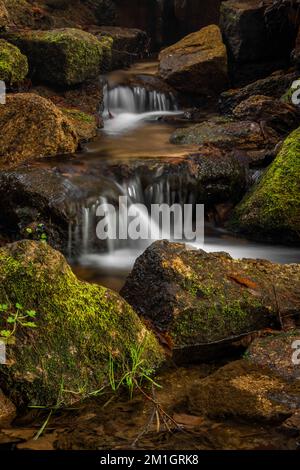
(196, 64)
(63, 57)
(13, 64)
(204, 302)
(272, 208)
(82, 332)
(225, 133)
(84, 124)
(243, 390)
(32, 127)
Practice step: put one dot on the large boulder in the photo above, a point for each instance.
(32, 127)
(70, 339)
(227, 134)
(259, 40)
(196, 64)
(246, 391)
(13, 64)
(271, 211)
(205, 302)
(274, 86)
(63, 57)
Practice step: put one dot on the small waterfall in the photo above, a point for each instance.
(83, 234)
(136, 100)
(126, 108)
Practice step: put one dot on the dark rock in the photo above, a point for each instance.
(279, 352)
(129, 45)
(275, 86)
(206, 302)
(259, 40)
(228, 135)
(280, 116)
(197, 64)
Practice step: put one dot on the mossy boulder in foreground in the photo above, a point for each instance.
(32, 127)
(271, 210)
(13, 64)
(205, 302)
(81, 329)
(63, 57)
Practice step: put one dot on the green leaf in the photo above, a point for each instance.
(19, 306)
(11, 320)
(3, 307)
(43, 236)
(29, 230)
(5, 333)
(31, 313)
(30, 324)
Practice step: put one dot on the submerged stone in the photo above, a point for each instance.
(81, 337)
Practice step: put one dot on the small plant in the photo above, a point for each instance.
(36, 232)
(15, 316)
(135, 372)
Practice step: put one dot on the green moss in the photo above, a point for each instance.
(79, 327)
(13, 64)
(272, 207)
(64, 56)
(78, 115)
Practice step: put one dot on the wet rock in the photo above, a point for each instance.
(63, 57)
(226, 134)
(33, 127)
(4, 17)
(205, 302)
(129, 44)
(278, 353)
(197, 64)
(291, 426)
(62, 352)
(209, 175)
(282, 117)
(13, 64)
(84, 124)
(275, 86)
(243, 390)
(257, 44)
(7, 410)
(270, 211)
(24, 14)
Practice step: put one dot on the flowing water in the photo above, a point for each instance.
(133, 130)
